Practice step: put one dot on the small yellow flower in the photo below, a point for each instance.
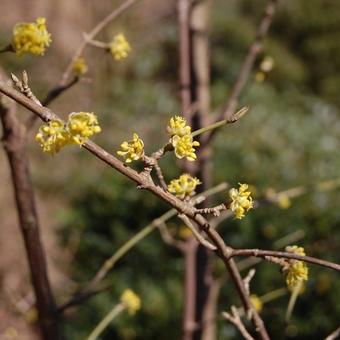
(256, 302)
(119, 47)
(132, 150)
(79, 67)
(177, 126)
(241, 200)
(31, 37)
(183, 186)
(131, 301)
(52, 136)
(184, 147)
(284, 201)
(267, 64)
(296, 271)
(81, 126)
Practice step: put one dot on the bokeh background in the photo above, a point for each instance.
(291, 137)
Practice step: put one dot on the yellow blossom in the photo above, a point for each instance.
(267, 64)
(177, 126)
(296, 271)
(81, 126)
(79, 66)
(131, 301)
(183, 186)
(184, 147)
(132, 150)
(52, 136)
(256, 302)
(119, 47)
(31, 37)
(284, 201)
(241, 200)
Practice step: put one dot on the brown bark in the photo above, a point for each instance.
(14, 142)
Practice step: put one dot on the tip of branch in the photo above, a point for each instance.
(239, 114)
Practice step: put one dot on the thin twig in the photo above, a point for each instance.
(196, 233)
(109, 264)
(235, 319)
(247, 65)
(334, 335)
(160, 176)
(169, 239)
(115, 311)
(281, 254)
(92, 34)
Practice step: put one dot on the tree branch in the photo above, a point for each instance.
(282, 254)
(247, 65)
(223, 251)
(14, 141)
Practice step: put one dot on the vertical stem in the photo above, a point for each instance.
(189, 323)
(14, 140)
(183, 7)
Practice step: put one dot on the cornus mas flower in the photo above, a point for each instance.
(256, 302)
(132, 150)
(52, 136)
(79, 67)
(296, 272)
(31, 37)
(119, 47)
(131, 301)
(81, 126)
(178, 126)
(184, 147)
(241, 200)
(183, 186)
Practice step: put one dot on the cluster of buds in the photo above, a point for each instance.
(31, 37)
(130, 301)
(79, 67)
(184, 186)
(119, 47)
(181, 138)
(296, 271)
(241, 200)
(132, 150)
(55, 134)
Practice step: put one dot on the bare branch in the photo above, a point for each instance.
(247, 65)
(334, 335)
(281, 254)
(90, 36)
(235, 319)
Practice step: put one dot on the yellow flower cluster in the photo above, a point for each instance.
(178, 126)
(132, 150)
(55, 134)
(31, 37)
(81, 126)
(296, 271)
(52, 136)
(184, 186)
(181, 138)
(256, 302)
(120, 47)
(79, 67)
(241, 200)
(131, 301)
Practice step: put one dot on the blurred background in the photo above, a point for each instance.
(291, 137)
